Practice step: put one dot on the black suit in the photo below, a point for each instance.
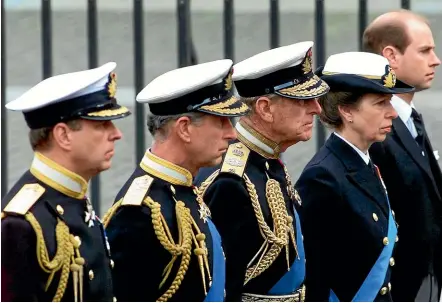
(345, 216)
(414, 184)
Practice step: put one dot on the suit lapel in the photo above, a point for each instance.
(358, 173)
(411, 146)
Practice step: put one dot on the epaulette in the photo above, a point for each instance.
(137, 190)
(235, 160)
(24, 199)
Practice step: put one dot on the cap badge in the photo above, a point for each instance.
(307, 64)
(228, 81)
(112, 85)
(389, 78)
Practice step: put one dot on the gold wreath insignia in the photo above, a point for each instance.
(389, 78)
(228, 81)
(307, 64)
(112, 85)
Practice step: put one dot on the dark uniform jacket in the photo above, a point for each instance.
(152, 229)
(345, 219)
(53, 246)
(249, 214)
(414, 185)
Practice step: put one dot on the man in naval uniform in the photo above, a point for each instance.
(251, 195)
(53, 246)
(163, 241)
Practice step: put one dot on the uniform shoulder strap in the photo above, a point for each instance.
(235, 160)
(137, 191)
(25, 198)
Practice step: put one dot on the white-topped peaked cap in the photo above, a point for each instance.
(361, 72)
(87, 94)
(205, 87)
(286, 71)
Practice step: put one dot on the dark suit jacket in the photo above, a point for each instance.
(344, 219)
(415, 188)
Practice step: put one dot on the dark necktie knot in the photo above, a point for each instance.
(416, 116)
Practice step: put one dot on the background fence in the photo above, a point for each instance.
(51, 37)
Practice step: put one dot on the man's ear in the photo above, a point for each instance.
(63, 136)
(392, 54)
(182, 128)
(264, 109)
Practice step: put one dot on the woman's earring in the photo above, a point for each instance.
(351, 120)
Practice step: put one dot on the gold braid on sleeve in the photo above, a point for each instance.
(64, 259)
(282, 226)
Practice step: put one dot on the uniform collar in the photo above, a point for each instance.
(365, 157)
(58, 177)
(257, 142)
(165, 170)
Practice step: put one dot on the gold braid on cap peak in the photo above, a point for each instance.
(64, 259)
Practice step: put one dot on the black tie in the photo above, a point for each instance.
(418, 123)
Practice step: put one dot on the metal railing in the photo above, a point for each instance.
(186, 56)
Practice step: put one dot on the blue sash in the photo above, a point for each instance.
(216, 291)
(293, 279)
(376, 277)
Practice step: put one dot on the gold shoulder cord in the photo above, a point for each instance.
(186, 233)
(110, 213)
(282, 222)
(64, 259)
(282, 231)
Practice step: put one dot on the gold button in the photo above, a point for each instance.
(91, 275)
(385, 241)
(375, 217)
(383, 291)
(60, 210)
(114, 299)
(397, 238)
(392, 262)
(112, 264)
(389, 286)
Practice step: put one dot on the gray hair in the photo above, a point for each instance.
(251, 101)
(157, 125)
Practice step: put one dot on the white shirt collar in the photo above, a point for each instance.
(365, 157)
(402, 108)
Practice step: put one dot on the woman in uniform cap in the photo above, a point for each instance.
(349, 227)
